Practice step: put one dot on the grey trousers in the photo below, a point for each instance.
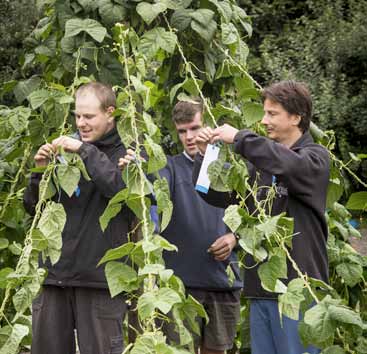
(97, 319)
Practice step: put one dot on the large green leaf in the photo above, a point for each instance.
(111, 12)
(204, 24)
(147, 304)
(51, 224)
(76, 25)
(253, 113)
(351, 273)
(357, 201)
(181, 19)
(344, 314)
(68, 177)
(232, 217)
(270, 272)
(164, 204)
(157, 159)
(166, 298)
(117, 253)
(38, 98)
(155, 39)
(120, 277)
(320, 322)
(149, 12)
(17, 334)
(229, 33)
(289, 303)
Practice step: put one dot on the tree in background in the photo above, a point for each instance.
(17, 20)
(323, 43)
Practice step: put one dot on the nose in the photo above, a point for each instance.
(80, 122)
(265, 119)
(189, 134)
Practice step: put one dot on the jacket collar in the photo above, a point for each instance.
(305, 139)
(111, 138)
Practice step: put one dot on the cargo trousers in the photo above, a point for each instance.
(60, 312)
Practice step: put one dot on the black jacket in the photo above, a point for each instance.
(84, 243)
(302, 176)
(194, 226)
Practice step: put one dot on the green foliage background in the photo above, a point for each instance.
(323, 43)
(161, 52)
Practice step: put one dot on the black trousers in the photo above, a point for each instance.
(97, 319)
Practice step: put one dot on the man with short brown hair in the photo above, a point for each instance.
(204, 243)
(75, 294)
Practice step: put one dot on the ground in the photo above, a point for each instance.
(360, 245)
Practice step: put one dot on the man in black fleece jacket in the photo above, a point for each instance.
(75, 294)
(289, 158)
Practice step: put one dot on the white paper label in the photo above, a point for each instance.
(203, 182)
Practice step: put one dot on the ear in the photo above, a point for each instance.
(296, 119)
(109, 111)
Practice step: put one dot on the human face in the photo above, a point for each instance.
(91, 121)
(187, 133)
(280, 125)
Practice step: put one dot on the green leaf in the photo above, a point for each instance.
(224, 8)
(120, 277)
(4, 243)
(38, 98)
(4, 272)
(18, 118)
(351, 273)
(151, 127)
(157, 159)
(51, 224)
(181, 19)
(117, 253)
(24, 88)
(155, 39)
(146, 304)
(253, 112)
(334, 349)
(357, 201)
(289, 303)
(229, 33)
(68, 177)
(17, 334)
(204, 24)
(76, 25)
(166, 298)
(164, 203)
(321, 325)
(148, 12)
(111, 12)
(135, 203)
(232, 217)
(22, 299)
(165, 275)
(335, 187)
(218, 172)
(109, 213)
(344, 314)
(270, 272)
(161, 242)
(151, 269)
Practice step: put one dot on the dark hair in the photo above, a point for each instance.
(184, 111)
(294, 97)
(104, 93)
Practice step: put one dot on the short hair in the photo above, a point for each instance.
(104, 93)
(184, 111)
(294, 97)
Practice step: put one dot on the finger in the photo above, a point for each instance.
(222, 258)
